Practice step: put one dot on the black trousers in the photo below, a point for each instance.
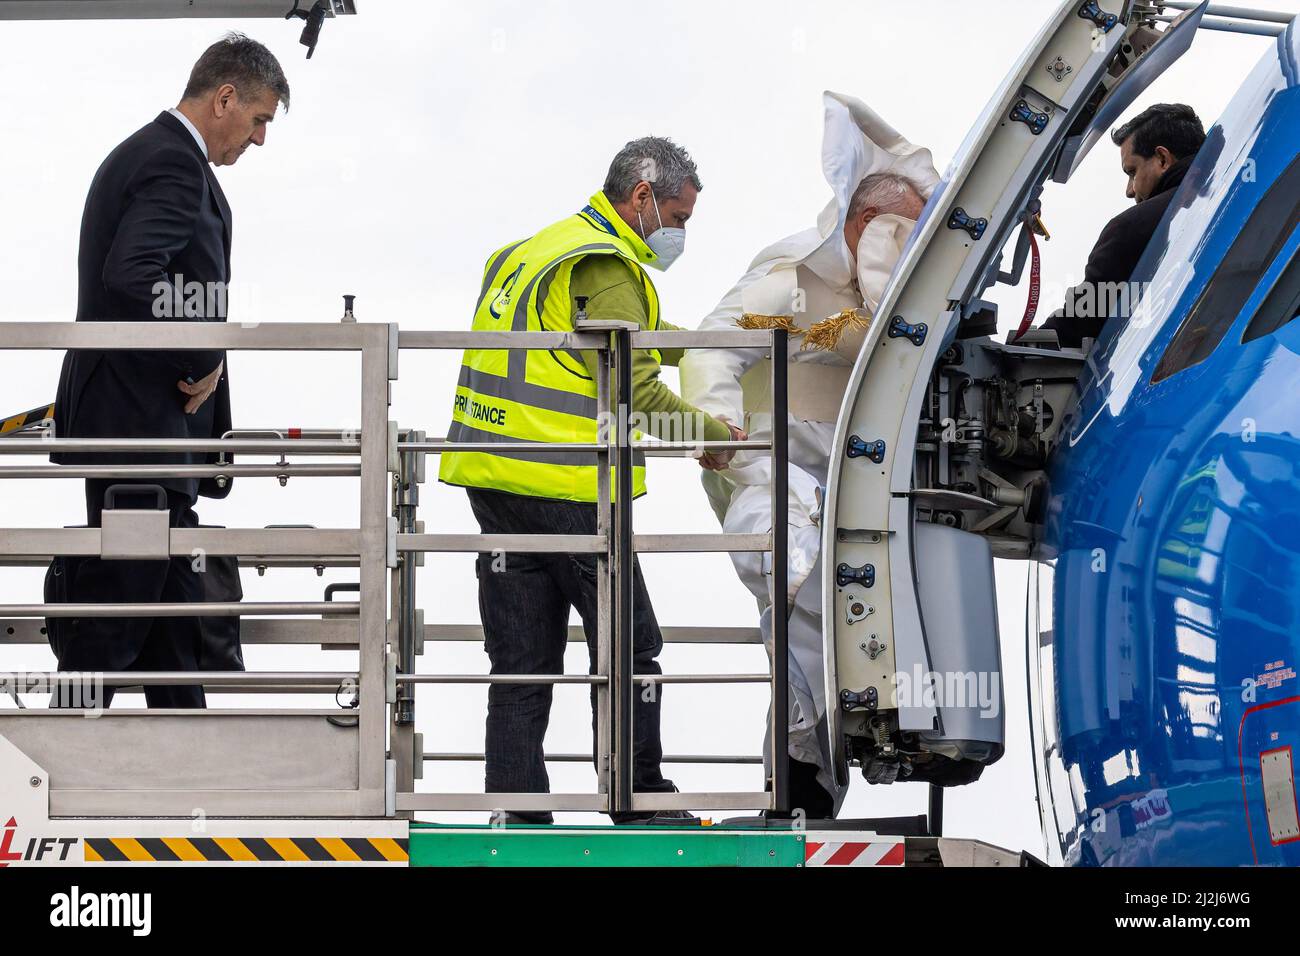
(524, 601)
(136, 643)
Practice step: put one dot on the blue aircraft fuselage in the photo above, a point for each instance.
(1171, 600)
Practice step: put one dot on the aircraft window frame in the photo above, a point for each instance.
(1236, 278)
(1281, 304)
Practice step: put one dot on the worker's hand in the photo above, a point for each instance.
(719, 460)
(202, 390)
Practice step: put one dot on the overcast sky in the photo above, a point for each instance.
(423, 135)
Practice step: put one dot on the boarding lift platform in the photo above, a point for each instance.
(911, 514)
(331, 784)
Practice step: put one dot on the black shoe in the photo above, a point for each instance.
(655, 818)
(659, 818)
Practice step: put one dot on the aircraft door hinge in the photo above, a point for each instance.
(1091, 10)
(875, 450)
(898, 329)
(960, 219)
(852, 700)
(1022, 113)
(846, 574)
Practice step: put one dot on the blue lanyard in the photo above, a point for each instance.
(600, 220)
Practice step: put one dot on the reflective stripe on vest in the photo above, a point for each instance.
(534, 396)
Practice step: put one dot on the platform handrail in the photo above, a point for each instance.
(613, 682)
(389, 539)
(353, 751)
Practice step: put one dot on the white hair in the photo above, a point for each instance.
(886, 191)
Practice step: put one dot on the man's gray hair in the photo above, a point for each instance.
(885, 191)
(242, 62)
(656, 160)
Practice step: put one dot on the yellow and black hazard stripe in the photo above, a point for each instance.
(246, 850)
(30, 419)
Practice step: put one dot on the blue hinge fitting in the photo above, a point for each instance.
(1037, 122)
(960, 220)
(1091, 11)
(898, 329)
(875, 450)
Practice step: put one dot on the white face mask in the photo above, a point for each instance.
(879, 250)
(666, 243)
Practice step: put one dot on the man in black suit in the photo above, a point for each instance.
(1155, 149)
(155, 246)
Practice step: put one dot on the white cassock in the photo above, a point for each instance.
(808, 276)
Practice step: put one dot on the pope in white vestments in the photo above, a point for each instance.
(823, 284)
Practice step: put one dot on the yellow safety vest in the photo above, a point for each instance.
(538, 395)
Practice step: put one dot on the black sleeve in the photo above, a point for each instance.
(1118, 248)
(158, 222)
(1112, 260)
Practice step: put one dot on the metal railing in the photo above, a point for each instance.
(614, 544)
(1220, 17)
(223, 761)
(301, 764)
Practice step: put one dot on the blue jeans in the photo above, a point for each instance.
(524, 602)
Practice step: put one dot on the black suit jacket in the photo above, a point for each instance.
(1114, 257)
(155, 246)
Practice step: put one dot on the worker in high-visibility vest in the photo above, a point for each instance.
(598, 254)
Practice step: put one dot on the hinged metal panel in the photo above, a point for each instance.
(131, 534)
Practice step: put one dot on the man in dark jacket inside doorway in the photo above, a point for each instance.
(1156, 148)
